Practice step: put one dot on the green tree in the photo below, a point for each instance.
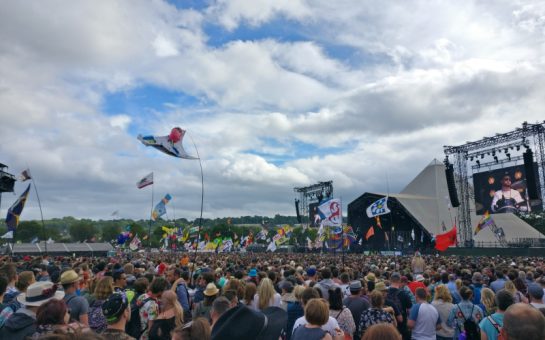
(110, 232)
(82, 230)
(27, 230)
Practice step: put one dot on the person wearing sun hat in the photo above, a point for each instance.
(117, 312)
(77, 305)
(202, 309)
(23, 322)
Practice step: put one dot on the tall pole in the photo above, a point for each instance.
(40, 206)
(150, 216)
(202, 203)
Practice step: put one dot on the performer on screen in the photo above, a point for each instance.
(506, 199)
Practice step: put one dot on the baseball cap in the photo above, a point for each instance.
(311, 271)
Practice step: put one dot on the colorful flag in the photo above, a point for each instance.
(485, 221)
(25, 175)
(135, 243)
(144, 182)
(379, 207)
(443, 241)
(14, 212)
(331, 211)
(160, 209)
(370, 233)
(272, 246)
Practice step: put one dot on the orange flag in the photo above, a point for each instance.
(370, 233)
(378, 222)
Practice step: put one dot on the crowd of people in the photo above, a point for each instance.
(272, 296)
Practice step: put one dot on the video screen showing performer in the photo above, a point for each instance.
(503, 191)
(314, 215)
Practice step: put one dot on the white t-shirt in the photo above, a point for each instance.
(276, 301)
(329, 327)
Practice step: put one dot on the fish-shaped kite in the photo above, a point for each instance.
(171, 144)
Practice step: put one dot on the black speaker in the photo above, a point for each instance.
(528, 157)
(297, 211)
(453, 194)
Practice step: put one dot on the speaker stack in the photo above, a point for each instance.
(528, 157)
(453, 194)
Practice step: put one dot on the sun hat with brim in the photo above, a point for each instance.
(370, 277)
(69, 276)
(243, 323)
(380, 286)
(38, 293)
(211, 289)
(420, 278)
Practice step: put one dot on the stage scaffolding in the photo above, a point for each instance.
(312, 194)
(529, 136)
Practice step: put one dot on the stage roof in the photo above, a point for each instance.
(38, 248)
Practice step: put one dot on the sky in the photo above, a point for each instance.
(275, 94)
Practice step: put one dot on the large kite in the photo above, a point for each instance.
(171, 144)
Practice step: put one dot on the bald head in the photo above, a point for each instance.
(522, 321)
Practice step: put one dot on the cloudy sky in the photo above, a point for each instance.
(274, 93)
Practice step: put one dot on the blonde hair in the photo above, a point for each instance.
(104, 288)
(510, 287)
(298, 292)
(458, 284)
(170, 300)
(266, 292)
(488, 300)
(442, 292)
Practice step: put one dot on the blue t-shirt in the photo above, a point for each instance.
(426, 319)
(487, 326)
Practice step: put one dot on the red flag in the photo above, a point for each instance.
(378, 222)
(370, 233)
(443, 241)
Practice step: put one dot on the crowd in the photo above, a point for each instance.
(272, 296)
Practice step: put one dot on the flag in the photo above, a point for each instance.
(8, 235)
(379, 224)
(34, 240)
(485, 221)
(115, 213)
(272, 246)
(25, 175)
(412, 235)
(160, 209)
(309, 243)
(331, 211)
(370, 232)
(144, 182)
(14, 212)
(400, 238)
(386, 238)
(135, 243)
(443, 241)
(379, 207)
(50, 240)
(145, 237)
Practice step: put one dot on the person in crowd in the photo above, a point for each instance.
(3, 287)
(418, 282)
(465, 310)
(170, 317)
(402, 301)
(220, 306)
(52, 318)
(488, 302)
(375, 314)
(443, 303)
(418, 264)
(521, 290)
(382, 331)
(178, 279)
(424, 319)
(287, 294)
(313, 293)
(325, 283)
(499, 282)
(250, 290)
(521, 321)
(116, 310)
(476, 286)
(311, 276)
(103, 290)
(77, 305)
(338, 311)
(491, 325)
(202, 309)
(120, 280)
(43, 274)
(535, 293)
(198, 329)
(356, 304)
(9, 270)
(294, 309)
(317, 316)
(25, 279)
(22, 323)
(148, 305)
(266, 296)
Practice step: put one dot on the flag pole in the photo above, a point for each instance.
(40, 206)
(342, 227)
(202, 203)
(150, 216)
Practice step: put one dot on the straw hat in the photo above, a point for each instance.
(69, 276)
(211, 289)
(38, 293)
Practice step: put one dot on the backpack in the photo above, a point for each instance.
(471, 329)
(134, 326)
(393, 296)
(7, 310)
(97, 321)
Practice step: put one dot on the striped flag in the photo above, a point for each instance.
(484, 222)
(144, 182)
(14, 212)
